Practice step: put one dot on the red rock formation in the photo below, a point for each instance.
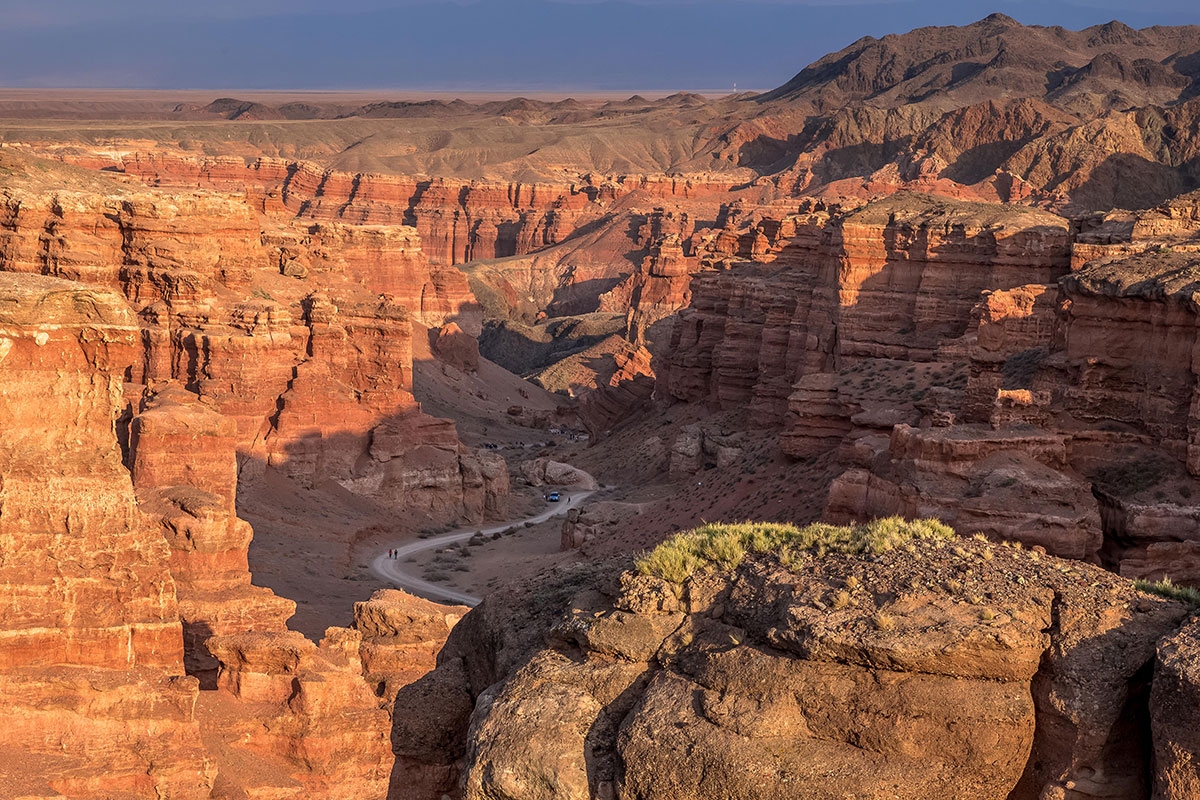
(389, 259)
(457, 220)
(1009, 484)
(91, 657)
(897, 279)
(184, 469)
(660, 286)
(401, 637)
(627, 391)
(454, 347)
(303, 713)
(305, 376)
(1173, 699)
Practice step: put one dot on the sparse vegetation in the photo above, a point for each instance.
(1020, 368)
(1165, 588)
(726, 544)
(1131, 477)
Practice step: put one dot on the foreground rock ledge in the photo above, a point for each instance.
(958, 669)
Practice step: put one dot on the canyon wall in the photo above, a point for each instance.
(91, 652)
(1005, 369)
(299, 332)
(457, 220)
(137, 660)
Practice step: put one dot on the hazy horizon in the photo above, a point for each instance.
(502, 46)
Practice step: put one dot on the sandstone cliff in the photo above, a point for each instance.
(92, 655)
(1014, 373)
(136, 658)
(299, 332)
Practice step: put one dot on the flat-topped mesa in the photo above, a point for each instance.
(91, 650)
(895, 279)
(184, 467)
(912, 267)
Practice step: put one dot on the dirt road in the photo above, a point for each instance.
(393, 569)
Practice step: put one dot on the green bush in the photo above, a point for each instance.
(726, 544)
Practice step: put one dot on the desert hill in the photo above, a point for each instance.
(950, 67)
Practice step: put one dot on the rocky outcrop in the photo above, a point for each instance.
(661, 284)
(547, 472)
(401, 637)
(304, 712)
(452, 346)
(722, 686)
(1173, 699)
(1009, 484)
(184, 469)
(698, 447)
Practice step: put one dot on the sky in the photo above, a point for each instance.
(481, 45)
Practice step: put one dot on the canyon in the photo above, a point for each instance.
(240, 358)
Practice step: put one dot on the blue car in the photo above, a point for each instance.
(552, 497)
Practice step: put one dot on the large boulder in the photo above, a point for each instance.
(545, 471)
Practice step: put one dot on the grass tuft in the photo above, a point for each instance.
(1165, 588)
(726, 544)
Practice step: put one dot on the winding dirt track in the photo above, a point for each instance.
(392, 569)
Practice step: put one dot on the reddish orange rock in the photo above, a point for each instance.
(401, 637)
(91, 646)
(304, 711)
(185, 473)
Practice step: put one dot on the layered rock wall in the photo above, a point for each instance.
(897, 279)
(458, 220)
(227, 308)
(116, 582)
(91, 646)
(184, 468)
